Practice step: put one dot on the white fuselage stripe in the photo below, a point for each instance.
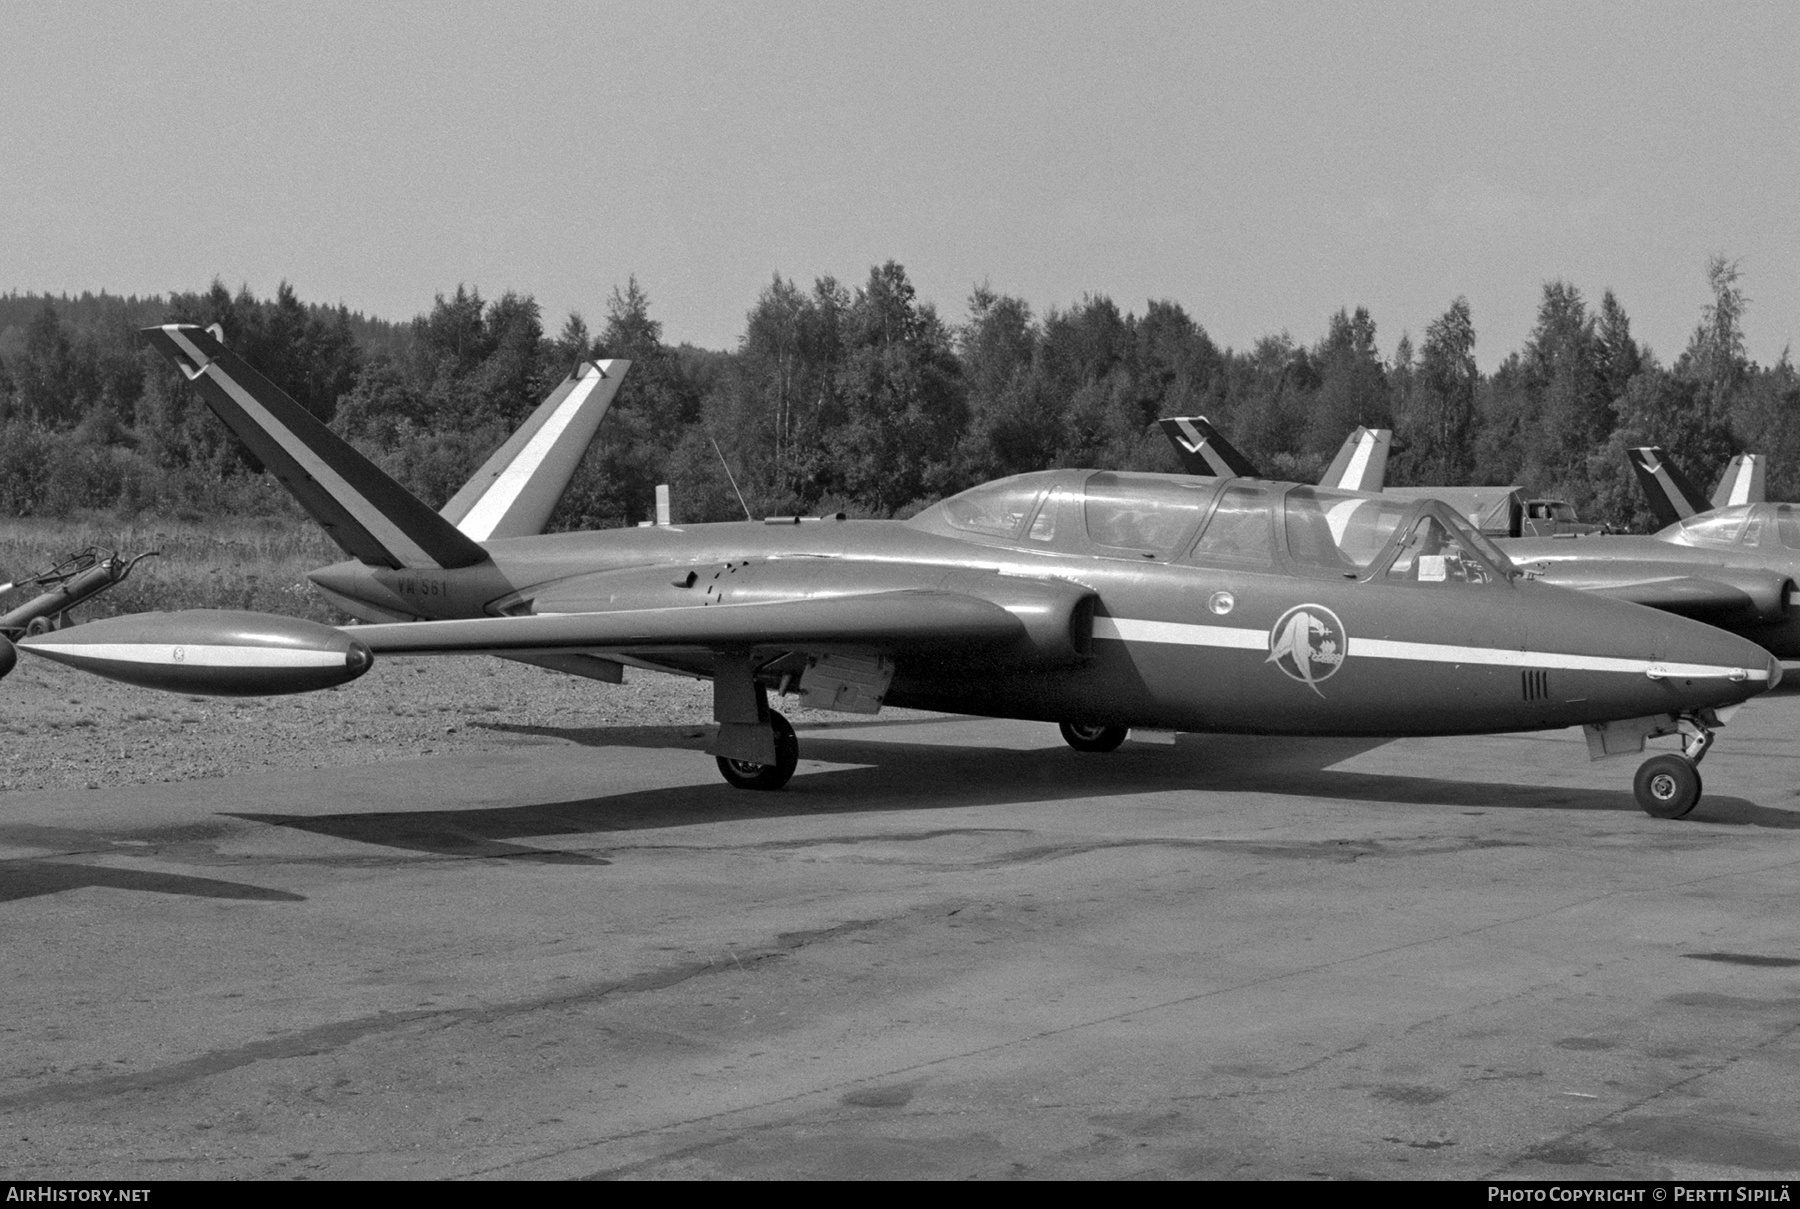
(1126, 629)
(187, 654)
(366, 513)
(491, 508)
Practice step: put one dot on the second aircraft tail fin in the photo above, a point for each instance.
(1204, 451)
(517, 488)
(373, 518)
(1743, 481)
(1672, 495)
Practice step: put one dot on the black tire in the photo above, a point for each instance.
(1667, 787)
(745, 775)
(1093, 738)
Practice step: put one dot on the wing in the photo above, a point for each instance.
(739, 623)
(905, 621)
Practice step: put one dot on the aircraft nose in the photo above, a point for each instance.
(1650, 661)
(1709, 667)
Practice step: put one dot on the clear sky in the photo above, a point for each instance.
(1262, 165)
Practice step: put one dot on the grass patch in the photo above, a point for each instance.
(257, 563)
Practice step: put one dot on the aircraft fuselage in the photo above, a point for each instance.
(1183, 642)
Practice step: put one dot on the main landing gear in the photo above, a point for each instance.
(1668, 786)
(1093, 738)
(745, 775)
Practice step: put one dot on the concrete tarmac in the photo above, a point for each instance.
(953, 948)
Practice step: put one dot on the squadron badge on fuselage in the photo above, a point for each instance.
(1308, 643)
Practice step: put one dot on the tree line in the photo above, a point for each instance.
(864, 399)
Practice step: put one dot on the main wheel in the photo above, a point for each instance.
(1093, 738)
(745, 775)
(1667, 787)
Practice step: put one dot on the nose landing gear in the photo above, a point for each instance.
(1668, 786)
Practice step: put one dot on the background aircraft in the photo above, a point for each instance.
(1673, 496)
(1361, 465)
(1733, 565)
(1360, 461)
(1096, 599)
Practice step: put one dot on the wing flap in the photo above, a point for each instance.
(911, 620)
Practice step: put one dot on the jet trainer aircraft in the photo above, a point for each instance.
(1099, 600)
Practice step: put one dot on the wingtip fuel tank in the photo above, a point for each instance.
(220, 653)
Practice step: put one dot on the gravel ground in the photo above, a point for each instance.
(65, 729)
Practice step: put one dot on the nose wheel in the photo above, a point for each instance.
(745, 775)
(1668, 786)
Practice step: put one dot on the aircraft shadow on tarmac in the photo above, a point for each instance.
(30, 878)
(889, 776)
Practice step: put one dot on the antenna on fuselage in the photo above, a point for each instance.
(730, 479)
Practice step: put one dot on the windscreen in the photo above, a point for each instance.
(998, 509)
(1719, 528)
(1441, 549)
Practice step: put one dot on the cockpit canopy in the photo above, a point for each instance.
(1242, 523)
(1769, 526)
(1720, 527)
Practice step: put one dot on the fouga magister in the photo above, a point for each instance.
(1099, 600)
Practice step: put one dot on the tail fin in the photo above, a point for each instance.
(1742, 482)
(1361, 465)
(1203, 451)
(372, 517)
(1673, 496)
(516, 489)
